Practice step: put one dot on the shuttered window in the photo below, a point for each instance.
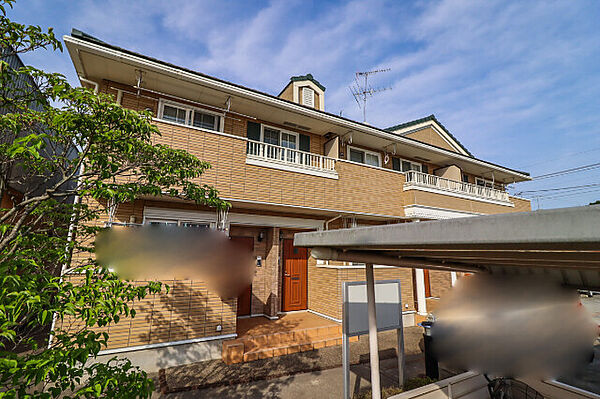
(304, 143)
(308, 97)
(253, 131)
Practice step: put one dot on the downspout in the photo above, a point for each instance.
(70, 238)
(331, 220)
(90, 82)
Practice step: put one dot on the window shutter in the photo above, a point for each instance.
(304, 144)
(253, 131)
(396, 164)
(424, 168)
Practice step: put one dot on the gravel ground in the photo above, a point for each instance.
(215, 373)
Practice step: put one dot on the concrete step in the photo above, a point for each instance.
(250, 348)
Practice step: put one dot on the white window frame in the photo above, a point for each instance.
(486, 183)
(312, 101)
(189, 110)
(173, 222)
(412, 163)
(366, 152)
(262, 135)
(179, 222)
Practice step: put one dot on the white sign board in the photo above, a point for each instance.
(388, 301)
(355, 319)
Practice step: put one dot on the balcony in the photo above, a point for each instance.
(273, 156)
(423, 181)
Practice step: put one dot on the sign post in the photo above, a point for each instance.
(355, 321)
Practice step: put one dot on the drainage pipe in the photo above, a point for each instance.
(91, 82)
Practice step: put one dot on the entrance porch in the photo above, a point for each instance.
(261, 338)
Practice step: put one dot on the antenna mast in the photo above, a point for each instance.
(361, 90)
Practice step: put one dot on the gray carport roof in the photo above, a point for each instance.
(562, 243)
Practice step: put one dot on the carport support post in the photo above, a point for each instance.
(373, 347)
(401, 361)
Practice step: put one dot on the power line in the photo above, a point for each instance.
(572, 154)
(566, 195)
(571, 188)
(583, 168)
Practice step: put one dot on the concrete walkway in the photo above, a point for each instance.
(318, 384)
(315, 373)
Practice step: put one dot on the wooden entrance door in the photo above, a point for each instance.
(295, 277)
(244, 303)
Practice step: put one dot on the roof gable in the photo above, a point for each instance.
(430, 131)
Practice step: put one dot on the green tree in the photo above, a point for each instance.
(60, 146)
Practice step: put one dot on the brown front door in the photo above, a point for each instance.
(295, 277)
(427, 283)
(244, 303)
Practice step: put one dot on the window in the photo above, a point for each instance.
(186, 115)
(357, 156)
(363, 156)
(167, 223)
(271, 136)
(308, 96)
(205, 121)
(194, 225)
(372, 159)
(281, 138)
(288, 140)
(465, 178)
(484, 183)
(162, 223)
(402, 165)
(174, 114)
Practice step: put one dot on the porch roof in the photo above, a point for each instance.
(562, 243)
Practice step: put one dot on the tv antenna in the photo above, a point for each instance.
(361, 90)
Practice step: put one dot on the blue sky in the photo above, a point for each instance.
(517, 82)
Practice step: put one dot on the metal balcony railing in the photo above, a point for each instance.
(290, 157)
(419, 179)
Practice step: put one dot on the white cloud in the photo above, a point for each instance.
(514, 81)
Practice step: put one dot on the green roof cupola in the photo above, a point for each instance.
(305, 90)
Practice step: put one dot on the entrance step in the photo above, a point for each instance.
(254, 347)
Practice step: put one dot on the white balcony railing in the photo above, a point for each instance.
(291, 158)
(419, 179)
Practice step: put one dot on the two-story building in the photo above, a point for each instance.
(285, 165)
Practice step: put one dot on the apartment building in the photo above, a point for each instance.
(286, 165)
